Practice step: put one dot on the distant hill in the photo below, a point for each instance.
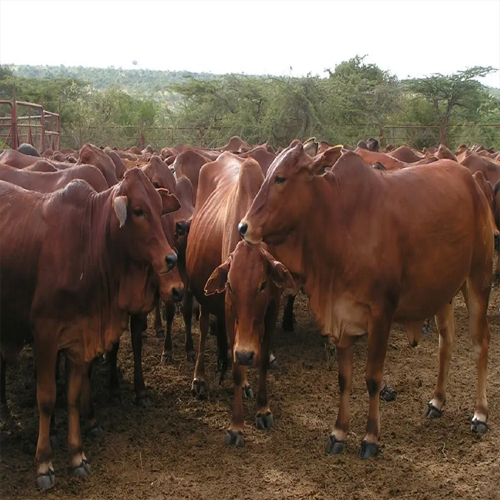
(138, 82)
(145, 83)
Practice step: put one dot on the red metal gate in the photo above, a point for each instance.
(29, 122)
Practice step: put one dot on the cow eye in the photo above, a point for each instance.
(138, 212)
(279, 179)
(156, 185)
(263, 286)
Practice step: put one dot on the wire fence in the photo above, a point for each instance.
(416, 136)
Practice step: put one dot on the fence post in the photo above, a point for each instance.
(143, 141)
(13, 121)
(442, 132)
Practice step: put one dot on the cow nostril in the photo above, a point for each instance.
(171, 261)
(245, 358)
(242, 228)
(177, 294)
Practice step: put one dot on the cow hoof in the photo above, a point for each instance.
(54, 443)
(191, 356)
(82, 470)
(160, 334)
(46, 481)
(433, 412)
(479, 427)
(166, 358)
(368, 450)
(247, 392)
(95, 432)
(234, 438)
(334, 446)
(388, 394)
(273, 362)
(143, 401)
(199, 389)
(264, 421)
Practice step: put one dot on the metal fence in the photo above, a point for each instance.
(28, 122)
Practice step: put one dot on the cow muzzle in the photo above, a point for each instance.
(245, 358)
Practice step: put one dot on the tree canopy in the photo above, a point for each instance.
(353, 100)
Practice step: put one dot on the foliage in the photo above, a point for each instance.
(351, 102)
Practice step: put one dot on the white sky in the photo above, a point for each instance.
(408, 38)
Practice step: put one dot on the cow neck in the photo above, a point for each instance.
(104, 264)
(323, 250)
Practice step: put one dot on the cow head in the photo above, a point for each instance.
(171, 287)
(159, 174)
(138, 208)
(250, 277)
(282, 200)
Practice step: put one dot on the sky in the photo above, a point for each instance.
(407, 38)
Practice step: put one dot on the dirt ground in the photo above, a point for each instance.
(175, 448)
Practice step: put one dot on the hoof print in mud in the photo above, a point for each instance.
(388, 394)
(46, 481)
(199, 389)
(479, 427)
(433, 412)
(234, 438)
(264, 421)
(247, 392)
(334, 446)
(95, 432)
(82, 470)
(368, 450)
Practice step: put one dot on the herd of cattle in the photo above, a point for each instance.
(91, 241)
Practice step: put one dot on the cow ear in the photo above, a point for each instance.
(325, 160)
(120, 205)
(281, 276)
(218, 279)
(168, 201)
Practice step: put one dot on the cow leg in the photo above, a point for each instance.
(114, 381)
(288, 319)
(136, 329)
(378, 335)
(223, 350)
(234, 435)
(199, 387)
(3, 370)
(445, 321)
(264, 416)
(187, 311)
(166, 356)
(339, 434)
(158, 323)
(46, 398)
(86, 405)
(478, 296)
(79, 463)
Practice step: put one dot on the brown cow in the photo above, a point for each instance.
(405, 154)
(443, 153)
(372, 158)
(16, 159)
(249, 310)
(253, 282)
(262, 156)
(119, 165)
(188, 164)
(65, 259)
(92, 155)
(369, 258)
(236, 144)
(48, 182)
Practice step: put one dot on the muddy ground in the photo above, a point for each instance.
(175, 448)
